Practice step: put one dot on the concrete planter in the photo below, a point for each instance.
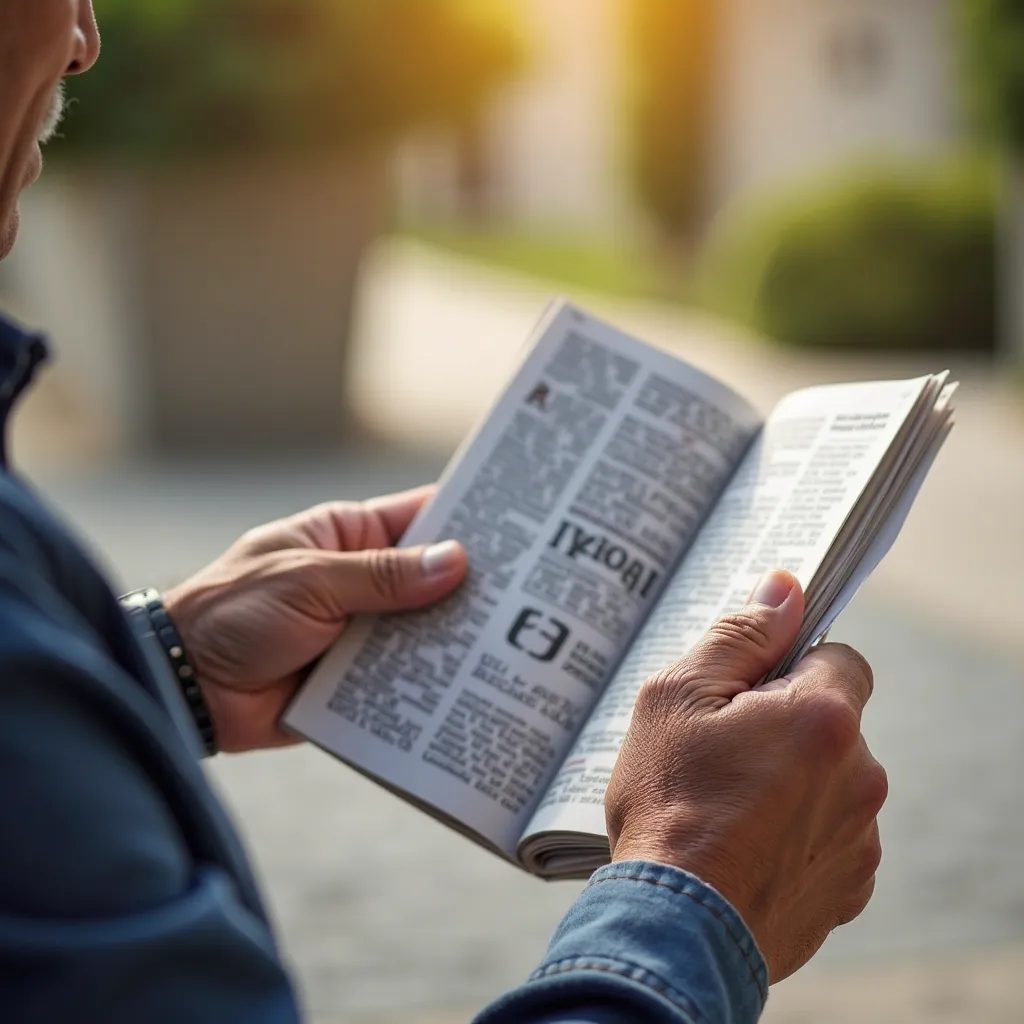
(206, 310)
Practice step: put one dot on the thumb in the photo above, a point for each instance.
(389, 579)
(740, 649)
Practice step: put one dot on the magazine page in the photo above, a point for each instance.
(575, 500)
(797, 489)
(872, 558)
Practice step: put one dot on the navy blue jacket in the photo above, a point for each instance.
(120, 874)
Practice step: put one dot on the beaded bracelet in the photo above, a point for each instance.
(181, 665)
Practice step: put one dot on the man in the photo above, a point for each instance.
(741, 817)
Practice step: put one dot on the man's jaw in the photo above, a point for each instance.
(47, 129)
(8, 234)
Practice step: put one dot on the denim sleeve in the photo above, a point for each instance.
(644, 942)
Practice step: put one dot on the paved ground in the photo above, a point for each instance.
(388, 917)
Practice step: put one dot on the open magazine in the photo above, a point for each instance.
(614, 504)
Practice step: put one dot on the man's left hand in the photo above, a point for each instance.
(255, 620)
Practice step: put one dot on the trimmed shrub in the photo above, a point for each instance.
(883, 259)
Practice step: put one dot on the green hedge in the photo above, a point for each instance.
(883, 259)
(203, 77)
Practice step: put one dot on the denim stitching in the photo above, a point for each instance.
(700, 901)
(633, 972)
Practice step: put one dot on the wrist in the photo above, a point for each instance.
(696, 859)
(153, 621)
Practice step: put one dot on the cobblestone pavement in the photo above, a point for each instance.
(389, 917)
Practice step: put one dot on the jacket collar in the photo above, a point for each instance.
(21, 354)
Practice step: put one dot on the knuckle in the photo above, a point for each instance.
(681, 688)
(857, 903)
(857, 667)
(657, 696)
(323, 519)
(874, 789)
(255, 537)
(386, 575)
(661, 691)
(870, 860)
(740, 629)
(832, 726)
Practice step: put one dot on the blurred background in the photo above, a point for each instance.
(289, 250)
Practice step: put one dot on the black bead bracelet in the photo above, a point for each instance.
(181, 665)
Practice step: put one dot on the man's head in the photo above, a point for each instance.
(41, 41)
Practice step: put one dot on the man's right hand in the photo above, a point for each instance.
(767, 793)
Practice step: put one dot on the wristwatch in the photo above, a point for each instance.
(160, 638)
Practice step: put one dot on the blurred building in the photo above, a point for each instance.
(810, 83)
(800, 85)
(548, 147)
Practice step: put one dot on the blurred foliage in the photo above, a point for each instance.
(670, 60)
(567, 261)
(204, 77)
(885, 259)
(995, 52)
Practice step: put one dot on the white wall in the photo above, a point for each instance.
(785, 109)
(555, 139)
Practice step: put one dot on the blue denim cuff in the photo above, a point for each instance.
(654, 939)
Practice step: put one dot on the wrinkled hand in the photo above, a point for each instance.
(255, 620)
(767, 793)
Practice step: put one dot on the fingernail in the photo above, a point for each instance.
(442, 559)
(773, 590)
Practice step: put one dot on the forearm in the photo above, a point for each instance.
(643, 942)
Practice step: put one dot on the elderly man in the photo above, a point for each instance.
(742, 817)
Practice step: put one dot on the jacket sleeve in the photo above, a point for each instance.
(645, 942)
(109, 909)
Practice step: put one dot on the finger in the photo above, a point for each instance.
(397, 511)
(869, 859)
(247, 720)
(869, 790)
(865, 791)
(839, 671)
(740, 649)
(345, 525)
(387, 579)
